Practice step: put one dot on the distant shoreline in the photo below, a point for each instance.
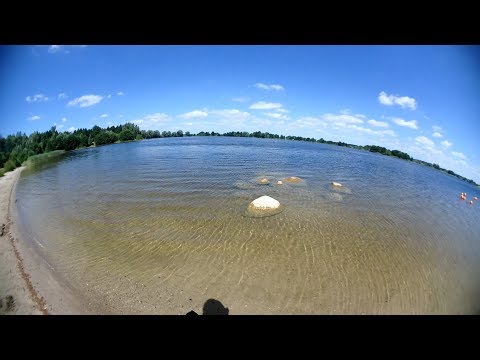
(97, 136)
(27, 285)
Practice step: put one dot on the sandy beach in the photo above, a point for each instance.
(27, 285)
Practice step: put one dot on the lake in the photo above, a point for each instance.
(159, 226)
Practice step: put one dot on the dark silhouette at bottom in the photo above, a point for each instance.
(214, 307)
(211, 307)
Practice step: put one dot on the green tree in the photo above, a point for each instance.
(126, 135)
(72, 142)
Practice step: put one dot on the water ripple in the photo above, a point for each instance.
(149, 225)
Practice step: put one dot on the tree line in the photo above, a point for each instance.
(15, 149)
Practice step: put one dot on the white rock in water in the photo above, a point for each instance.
(336, 184)
(265, 202)
(279, 182)
(264, 206)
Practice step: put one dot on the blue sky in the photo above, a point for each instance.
(423, 100)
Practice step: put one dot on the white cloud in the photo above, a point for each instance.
(34, 117)
(459, 155)
(343, 127)
(64, 119)
(104, 115)
(384, 99)
(231, 117)
(425, 141)
(71, 129)
(403, 101)
(389, 132)
(273, 87)
(281, 110)
(412, 124)
(152, 121)
(377, 123)
(446, 143)
(262, 123)
(215, 119)
(109, 96)
(437, 135)
(194, 114)
(277, 116)
(58, 127)
(308, 121)
(339, 119)
(120, 93)
(62, 96)
(54, 48)
(262, 105)
(370, 131)
(436, 128)
(36, 98)
(85, 100)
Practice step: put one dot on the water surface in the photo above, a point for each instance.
(159, 226)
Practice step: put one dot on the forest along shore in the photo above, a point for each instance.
(27, 286)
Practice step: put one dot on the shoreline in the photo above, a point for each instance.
(28, 286)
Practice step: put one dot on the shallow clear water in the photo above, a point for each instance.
(159, 226)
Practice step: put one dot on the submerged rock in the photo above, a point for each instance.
(334, 197)
(263, 181)
(293, 180)
(244, 185)
(340, 188)
(264, 206)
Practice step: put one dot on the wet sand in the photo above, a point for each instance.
(27, 285)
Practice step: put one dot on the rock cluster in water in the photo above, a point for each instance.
(268, 206)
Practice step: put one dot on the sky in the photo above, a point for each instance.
(423, 100)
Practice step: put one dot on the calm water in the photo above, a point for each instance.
(159, 226)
